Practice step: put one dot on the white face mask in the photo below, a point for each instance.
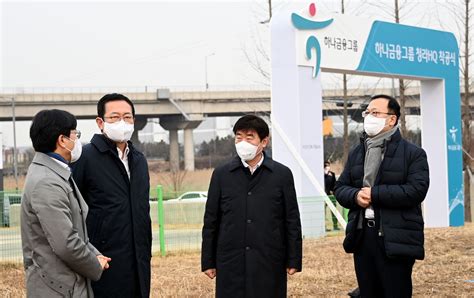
(76, 150)
(245, 150)
(373, 125)
(120, 131)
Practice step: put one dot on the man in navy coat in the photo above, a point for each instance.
(113, 178)
(383, 184)
(252, 230)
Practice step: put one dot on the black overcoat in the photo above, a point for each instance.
(118, 222)
(400, 186)
(252, 229)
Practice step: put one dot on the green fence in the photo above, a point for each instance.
(176, 225)
(331, 221)
(9, 199)
(10, 237)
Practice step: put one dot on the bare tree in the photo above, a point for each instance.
(466, 112)
(258, 58)
(345, 120)
(407, 7)
(401, 84)
(175, 179)
(269, 12)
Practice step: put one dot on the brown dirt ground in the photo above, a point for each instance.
(327, 270)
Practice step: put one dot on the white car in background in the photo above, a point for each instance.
(190, 196)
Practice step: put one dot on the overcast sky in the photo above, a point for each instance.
(97, 44)
(92, 44)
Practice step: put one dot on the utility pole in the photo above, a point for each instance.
(15, 159)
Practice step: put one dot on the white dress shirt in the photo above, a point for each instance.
(256, 166)
(124, 159)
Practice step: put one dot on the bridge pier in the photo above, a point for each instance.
(189, 145)
(174, 150)
(139, 124)
(173, 124)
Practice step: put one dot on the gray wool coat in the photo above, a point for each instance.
(59, 260)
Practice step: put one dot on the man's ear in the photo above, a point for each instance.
(265, 142)
(60, 143)
(100, 123)
(394, 120)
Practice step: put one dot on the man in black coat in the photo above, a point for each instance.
(252, 230)
(383, 184)
(113, 179)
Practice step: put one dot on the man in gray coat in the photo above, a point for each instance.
(58, 258)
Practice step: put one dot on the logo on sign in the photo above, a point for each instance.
(312, 42)
(455, 146)
(453, 131)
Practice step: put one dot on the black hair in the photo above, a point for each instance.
(252, 122)
(112, 97)
(47, 126)
(393, 105)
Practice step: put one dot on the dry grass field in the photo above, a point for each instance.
(327, 270)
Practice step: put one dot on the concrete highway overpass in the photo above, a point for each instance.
(185, 110)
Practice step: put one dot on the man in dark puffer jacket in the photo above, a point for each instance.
(383, 184)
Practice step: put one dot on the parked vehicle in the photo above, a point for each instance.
(191, 196)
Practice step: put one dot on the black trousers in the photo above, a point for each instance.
(378, 275)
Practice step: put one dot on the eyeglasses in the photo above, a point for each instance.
(116, 118)
(77, 133)
(374, 113)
